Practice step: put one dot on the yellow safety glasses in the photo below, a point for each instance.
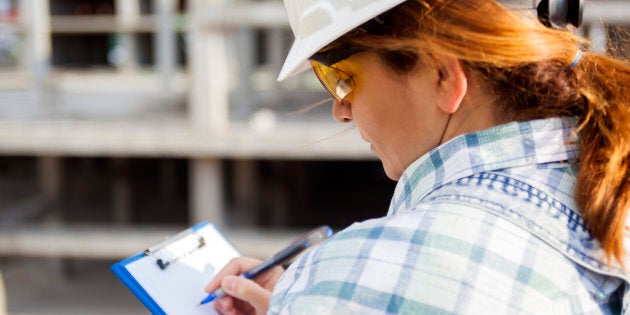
(338, 83)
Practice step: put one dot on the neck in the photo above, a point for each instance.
(475, 113)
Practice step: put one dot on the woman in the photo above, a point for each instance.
(511, 148)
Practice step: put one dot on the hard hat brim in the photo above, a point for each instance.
(297, 60)
(346, 19)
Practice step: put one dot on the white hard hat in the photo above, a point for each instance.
(317, 23)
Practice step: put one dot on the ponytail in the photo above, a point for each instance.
(603, 182)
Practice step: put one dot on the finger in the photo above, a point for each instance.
(248, 291)
(236, 266)
(224, 305)
(269, 278)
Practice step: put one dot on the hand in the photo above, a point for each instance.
(244, 296)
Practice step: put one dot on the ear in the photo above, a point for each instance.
(453, 84)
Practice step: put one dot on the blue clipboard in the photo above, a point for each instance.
(133, 285)
(169, 277)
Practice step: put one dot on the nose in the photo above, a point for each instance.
(342, 111)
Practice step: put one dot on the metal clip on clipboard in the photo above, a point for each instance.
(177, 240)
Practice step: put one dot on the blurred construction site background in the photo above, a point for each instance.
(125, 121)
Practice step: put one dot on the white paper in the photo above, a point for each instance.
(179, 288)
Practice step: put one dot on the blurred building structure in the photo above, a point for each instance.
(123, 121)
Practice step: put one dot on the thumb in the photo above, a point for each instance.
(248, 291)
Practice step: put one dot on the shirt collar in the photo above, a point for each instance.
(505, 146)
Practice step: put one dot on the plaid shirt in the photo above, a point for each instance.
(484, 224)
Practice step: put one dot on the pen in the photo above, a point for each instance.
(284, 256)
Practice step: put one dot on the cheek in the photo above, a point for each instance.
(379, 113)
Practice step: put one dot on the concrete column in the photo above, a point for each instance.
(127, 15)
(208, 100)
(246, 195)
(206, 191)
(50, 176)
(121, 192)
(35, 14)
(165, 44)
(208, 109)
(50, 170)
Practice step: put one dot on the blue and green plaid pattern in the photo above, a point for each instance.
(484, 224)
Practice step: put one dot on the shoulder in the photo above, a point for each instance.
(431, 259)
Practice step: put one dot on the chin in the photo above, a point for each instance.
(391, 172)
